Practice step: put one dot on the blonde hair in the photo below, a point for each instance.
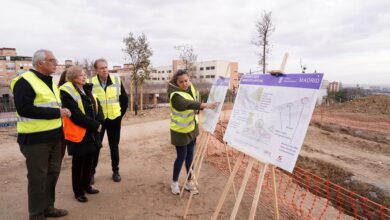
(73, 72)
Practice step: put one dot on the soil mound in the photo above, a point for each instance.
(376, 104)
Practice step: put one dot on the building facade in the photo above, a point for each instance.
(11, 64)
(205, 71)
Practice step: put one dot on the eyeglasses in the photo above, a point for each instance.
(53, 61)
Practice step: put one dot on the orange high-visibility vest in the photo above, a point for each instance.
(73, 132)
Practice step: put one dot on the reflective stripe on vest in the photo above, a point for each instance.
(109, 98)
(44, 97)
(183, 121)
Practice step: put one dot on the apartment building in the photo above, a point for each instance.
(205, 71)
(11, 64)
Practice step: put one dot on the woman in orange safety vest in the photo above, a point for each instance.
(81, 130)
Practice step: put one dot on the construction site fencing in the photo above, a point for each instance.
(7, 112)
(301, 195)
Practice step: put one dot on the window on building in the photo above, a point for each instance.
(163, 71)
(169, 71)
(201, 76)
(207, 68)
(202, 68)
(207, 76)
(163, 78)
(212, 76)
(212, 67)
(154, 78)
(158, 72)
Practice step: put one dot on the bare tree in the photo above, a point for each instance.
(264, 29)
(188, 57)
(139, 53)
(87, 66)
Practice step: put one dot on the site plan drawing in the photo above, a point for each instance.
(271, 115)
(217, 93)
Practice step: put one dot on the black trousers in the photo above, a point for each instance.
(43, 163)
(113, 128)
(81, 173)
(184, 154)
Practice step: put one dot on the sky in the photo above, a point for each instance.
(344, 39)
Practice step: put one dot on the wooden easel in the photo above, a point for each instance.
(196, 166)
(244, 182)
(241, 191)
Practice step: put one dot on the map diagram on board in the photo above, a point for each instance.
(271, 115)
(217, 93)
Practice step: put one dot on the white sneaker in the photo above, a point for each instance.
(190, 186)
(175, 188)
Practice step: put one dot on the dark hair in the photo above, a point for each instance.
(176, 75)
(98, 61)
(62, 80)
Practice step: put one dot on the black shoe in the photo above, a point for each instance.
(82, 199)
(37, 217)
(92, 191)
(116, 177)
(92, 180)
(53, 212)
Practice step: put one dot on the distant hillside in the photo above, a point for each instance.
(376, 104)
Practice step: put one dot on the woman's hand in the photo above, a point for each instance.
(211, 105)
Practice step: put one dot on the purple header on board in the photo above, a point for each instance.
(300, 80)
(221, 82)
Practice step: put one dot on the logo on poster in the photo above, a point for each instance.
(280, 158)
(309, 80)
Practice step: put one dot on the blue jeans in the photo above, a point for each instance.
(184, 153)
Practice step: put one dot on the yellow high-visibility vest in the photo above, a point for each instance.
(183, 121)
(109, 98)
(45, 97)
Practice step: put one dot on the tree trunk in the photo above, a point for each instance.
(131, 95)
(136, 98)
(264, 49)
(142, 97)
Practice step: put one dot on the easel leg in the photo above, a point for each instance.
(228, 161)
(257, 192)
(230, 168)
(274, 189)
(242, 188)
(195, 161)
(195, 175)
(227, 186)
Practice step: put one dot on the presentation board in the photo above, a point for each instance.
(271, 115)
(217, 93)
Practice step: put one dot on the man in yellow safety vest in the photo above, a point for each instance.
(39, 129)
(113, 98)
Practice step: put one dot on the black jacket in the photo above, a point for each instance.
(123, 99)
(24, 96)
(91, 121)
